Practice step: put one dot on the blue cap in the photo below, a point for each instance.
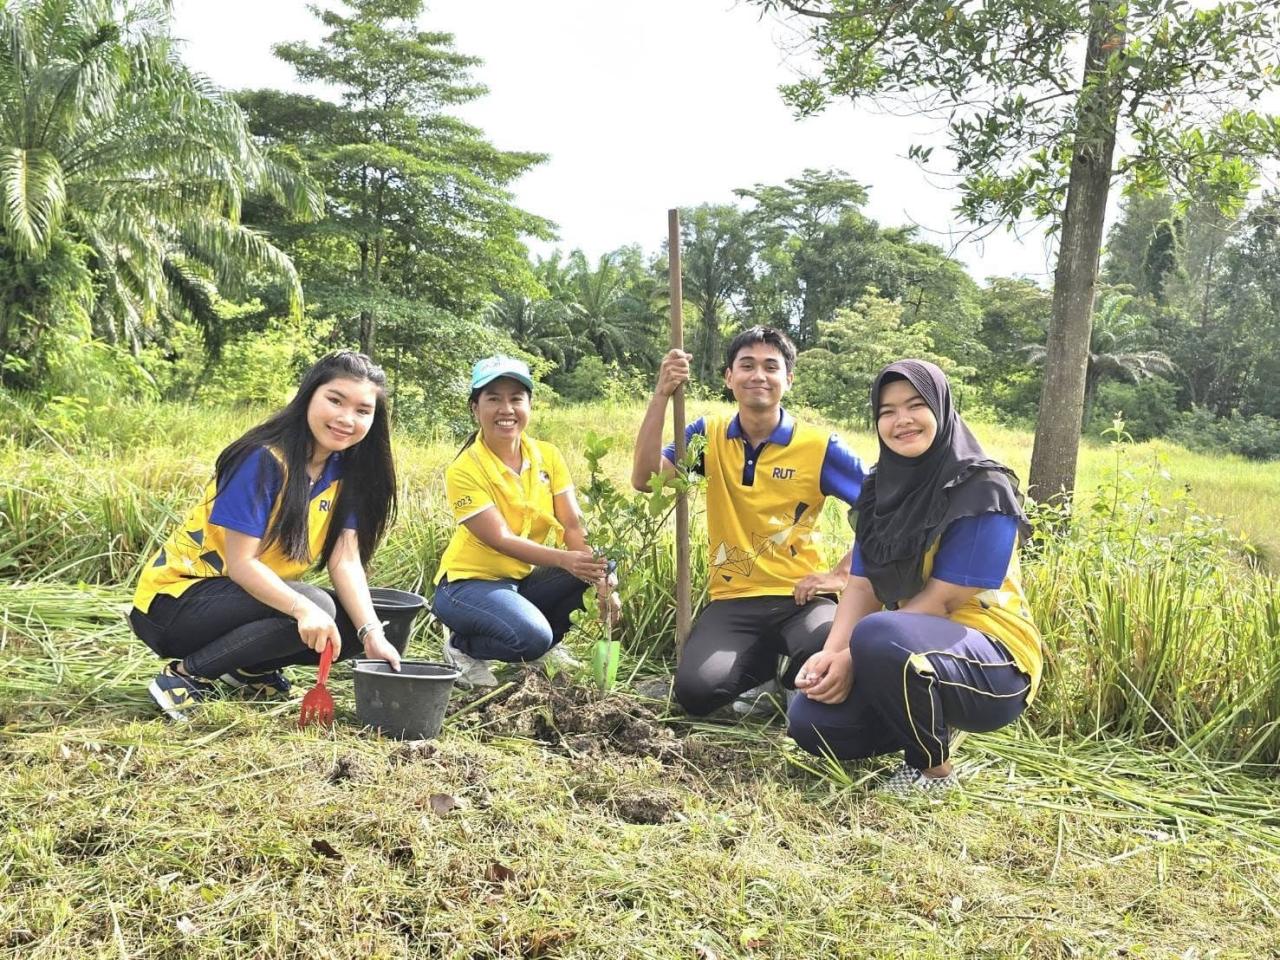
(491, 368)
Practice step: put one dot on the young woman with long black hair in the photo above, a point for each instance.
(932, 632)
(313, 486)
(518, 562)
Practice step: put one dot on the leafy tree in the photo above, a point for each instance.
(835, 375)
(419, 205)
(1036, 94)
(815, 250)
(1215, 308)
(116, 159)
(1015, 315)
(1115, 349)
(933, 290)
(716, 255)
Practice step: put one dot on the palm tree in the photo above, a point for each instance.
(1114, 352)
(604, 310)
(716, 262)
(536, 324)
(111, 147)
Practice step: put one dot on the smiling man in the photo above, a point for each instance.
(767, 479)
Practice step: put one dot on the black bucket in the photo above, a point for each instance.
(410, 704)
(398, 608)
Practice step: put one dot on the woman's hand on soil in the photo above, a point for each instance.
(378, 647)
(826, 677)
(316, 628)
(585, 565)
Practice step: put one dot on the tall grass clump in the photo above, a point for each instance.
(1157, 625)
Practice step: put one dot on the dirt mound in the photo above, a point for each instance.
(576, 717)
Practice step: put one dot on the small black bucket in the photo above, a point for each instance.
(408, 705)
(398, 608)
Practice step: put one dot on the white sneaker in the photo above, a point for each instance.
(475, 673)
(558, 658)
(759, 701)
(907, 780)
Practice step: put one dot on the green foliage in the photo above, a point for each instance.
(1008, 78)
(430, 386)
(716, 259)
(1036, 95)
(1256, 437)
(816, 252)
(1158, 627)
(264, 368)
(1116, 348)
(418, 200)
(835, 376)
(116, 159)
(633, 530)
(1147, 407)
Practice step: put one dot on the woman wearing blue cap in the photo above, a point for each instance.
(518, 561)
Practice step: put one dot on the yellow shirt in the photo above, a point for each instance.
(763, 503)
(250, 499)
(1004, 615)
(477, 480)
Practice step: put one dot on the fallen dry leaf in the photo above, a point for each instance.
(325, 849)
(498, 873)
(442, 803)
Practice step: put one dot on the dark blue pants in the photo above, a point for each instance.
(508, 619)
(915, 678)
(736, 644)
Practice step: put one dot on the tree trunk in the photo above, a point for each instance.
(1057, 442)
(366, 333)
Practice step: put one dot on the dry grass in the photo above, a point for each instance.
(239, 836)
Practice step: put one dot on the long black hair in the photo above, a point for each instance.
(368, 487)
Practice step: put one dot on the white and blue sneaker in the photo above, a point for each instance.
(269, 685)
(177, 695)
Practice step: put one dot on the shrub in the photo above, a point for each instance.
(1256, 437)
(1148, 407)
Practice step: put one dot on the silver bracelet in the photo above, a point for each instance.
(370, 627)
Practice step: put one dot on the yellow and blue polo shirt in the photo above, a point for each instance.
(477, 480)
(980, 552)
(763, 502)
(247, 503)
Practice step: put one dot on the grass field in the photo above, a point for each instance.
(546, 822)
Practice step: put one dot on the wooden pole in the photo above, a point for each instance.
(684, 602)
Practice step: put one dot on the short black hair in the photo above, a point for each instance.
(760, 334)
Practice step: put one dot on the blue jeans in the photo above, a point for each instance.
(509, 620)
(915, 678)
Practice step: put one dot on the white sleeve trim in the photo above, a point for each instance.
(475, 513)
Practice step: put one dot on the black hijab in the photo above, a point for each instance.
(907, 502)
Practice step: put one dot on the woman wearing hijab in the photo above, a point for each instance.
(932, 632)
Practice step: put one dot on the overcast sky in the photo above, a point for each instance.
(641, 106)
